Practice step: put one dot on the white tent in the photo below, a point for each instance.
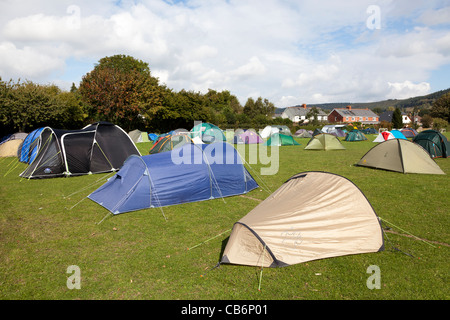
(268, 131)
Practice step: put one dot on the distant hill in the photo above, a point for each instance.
(421, 102)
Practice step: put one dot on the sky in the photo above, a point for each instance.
(287, 51)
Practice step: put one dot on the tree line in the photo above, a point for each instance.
(121, 89)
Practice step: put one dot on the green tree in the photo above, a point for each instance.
(397, 121)
(441, 108)
(25, 105)
(123, 91)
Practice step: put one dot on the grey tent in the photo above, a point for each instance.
(400, 155)
(138, 136)
(313, 215)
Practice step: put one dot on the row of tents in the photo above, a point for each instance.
(285, 229)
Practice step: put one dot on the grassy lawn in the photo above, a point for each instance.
(48, 225)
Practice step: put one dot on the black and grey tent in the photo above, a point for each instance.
(99, 147)
(400, 155)
(313, 215)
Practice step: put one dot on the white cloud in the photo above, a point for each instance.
(407, 89)
(290, 52)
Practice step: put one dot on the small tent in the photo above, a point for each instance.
(409, 132)
(302, 133)
(170, 142)
(400, 155)
(434, 142)
(337, 132)
(370, 131)
(99, 147)
(138, 136)
(152, 136)
(268, 131)
(383, 136)
(324, 141)
(279, 139)
(208, 133)
(247, 137)
(313, 215)
(398, 134)
(355, 135)
(11, 146)
(188, 174)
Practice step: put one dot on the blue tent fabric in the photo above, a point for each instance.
(29, 149)
(187, 174)
(398, 134)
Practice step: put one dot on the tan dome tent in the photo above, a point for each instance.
(324, 141)
(313, 215)
(400, 155)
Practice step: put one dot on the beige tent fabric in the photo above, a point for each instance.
(402, 156)
(324, 141)
(10, 148)
(314, 215)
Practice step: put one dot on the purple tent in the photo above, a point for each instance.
(247, 137)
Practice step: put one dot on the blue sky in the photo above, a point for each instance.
(288, 51)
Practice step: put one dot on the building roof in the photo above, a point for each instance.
(291, 112)
(350, 112)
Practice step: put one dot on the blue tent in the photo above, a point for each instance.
(186, 174)
(398, 134)
(30, 147)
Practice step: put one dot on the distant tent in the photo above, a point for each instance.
(191, 173)
(355, 135)
(284, 130)
(370, 131)
(99, 147)
(383, 136)
(11, 146)
(170, 142)
(302, 133)
(268, 131)
(400, 155)
(434, 142)
(313, 215)
(139, 136)
(409, 132)
(208, 133)
(337, 132)
(398, 134)
(388, 135)
(247, 137)
(30, 146)
(279, 139)
(316, 132)
(152, 136)
(324, 141)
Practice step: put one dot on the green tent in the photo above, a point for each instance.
(355, 135)
(324, 141)
(208, 133)
(279, 139)
(434, 142)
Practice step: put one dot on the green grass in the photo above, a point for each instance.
(141, 255)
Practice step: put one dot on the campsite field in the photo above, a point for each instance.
(48, 225)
